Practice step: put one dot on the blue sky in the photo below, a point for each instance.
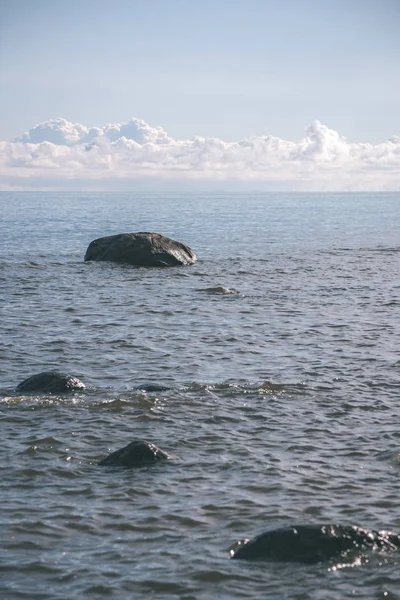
(196, 94)
(221, 68)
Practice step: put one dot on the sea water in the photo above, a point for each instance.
(281, 403)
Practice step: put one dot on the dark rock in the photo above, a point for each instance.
(313, 543)
(135, 454)
(140, 249)
(219, 290)
(51, 382)
(153, 387)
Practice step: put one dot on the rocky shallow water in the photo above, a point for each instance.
(278, 402)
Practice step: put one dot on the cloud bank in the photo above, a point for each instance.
(57, 154)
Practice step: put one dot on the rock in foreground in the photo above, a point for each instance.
(135, 454)
(51, 382)
(313, 543)
(140, 249)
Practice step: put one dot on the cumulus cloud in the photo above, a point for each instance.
(61, 151)
(61, 132)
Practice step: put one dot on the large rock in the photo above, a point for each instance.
(135, 454)
(140, 249)
(51, 382)
(313, 543)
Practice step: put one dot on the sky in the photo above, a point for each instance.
(276, 94)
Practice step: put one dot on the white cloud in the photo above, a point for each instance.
(60, 152)
(57, 131)
(61, 132)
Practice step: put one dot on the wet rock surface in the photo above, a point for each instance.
(52, 382)
(218, 290)
(136, 454)
(152, 387)
(313, 544)
(141, 249)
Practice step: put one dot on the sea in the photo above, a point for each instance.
(277, 357)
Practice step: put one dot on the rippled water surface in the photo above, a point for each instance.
(281, 404)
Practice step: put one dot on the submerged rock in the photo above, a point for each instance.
(135, 454)
(313, 543)
(51, 382)
(140, 249)
(218, 290)
(152, 387)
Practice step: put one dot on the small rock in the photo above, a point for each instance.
(51, 382)
(218, 290)
(135, 454)
(313, 543)
(152, 387)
